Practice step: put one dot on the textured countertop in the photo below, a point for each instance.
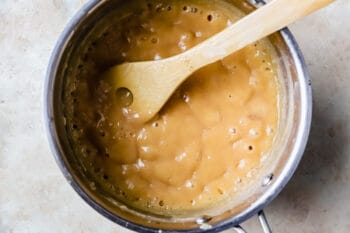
(34, 196)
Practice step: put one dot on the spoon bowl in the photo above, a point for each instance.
(150, 85)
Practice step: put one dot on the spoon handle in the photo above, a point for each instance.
(262, 22)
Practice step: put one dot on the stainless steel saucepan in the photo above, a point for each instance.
(294, 124)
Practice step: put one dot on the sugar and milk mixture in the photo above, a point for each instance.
(207, 141)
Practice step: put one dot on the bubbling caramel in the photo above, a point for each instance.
(211, 137)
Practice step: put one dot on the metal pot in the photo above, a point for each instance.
(295, 119)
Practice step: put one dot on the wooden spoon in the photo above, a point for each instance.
(153, 82)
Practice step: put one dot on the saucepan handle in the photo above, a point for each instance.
(263, 221)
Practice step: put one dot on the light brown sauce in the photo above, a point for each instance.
(210, 138)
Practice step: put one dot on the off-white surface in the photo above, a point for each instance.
(34, 196)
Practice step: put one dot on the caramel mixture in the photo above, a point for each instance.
(211, 137)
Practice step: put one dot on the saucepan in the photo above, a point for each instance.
(294, 126)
